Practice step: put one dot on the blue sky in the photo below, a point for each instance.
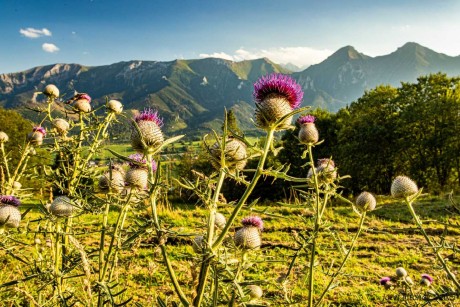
(99, 32)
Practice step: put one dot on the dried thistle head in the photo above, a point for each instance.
(62, 206)
(366, 201)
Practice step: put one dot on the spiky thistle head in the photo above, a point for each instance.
(403, 186)
(253, 221)
(39, 129)
(385, 280)
(149, 115)
(9, 200)
(306, 119)
(366, 201)
(401, 272)
(281, 85)
(115, 106)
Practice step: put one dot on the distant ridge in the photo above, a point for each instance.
(191, 94)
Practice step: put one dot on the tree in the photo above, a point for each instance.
(367, 140)
(430, 129)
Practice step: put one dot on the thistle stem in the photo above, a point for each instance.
(350, 249)
(5, 160)
(318, 215)
(435, 248)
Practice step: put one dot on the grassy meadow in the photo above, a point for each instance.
(389, 240)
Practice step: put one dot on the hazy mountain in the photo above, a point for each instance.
(191, 94)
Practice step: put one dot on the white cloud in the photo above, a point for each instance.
(34, 33)
(299, 56)
(50, 47)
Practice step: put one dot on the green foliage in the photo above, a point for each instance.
(16, 127)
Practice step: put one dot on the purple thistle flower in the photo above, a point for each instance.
(428, 277)
(140, 158)
(278, 84)
(385, 280)
(9, 200)
(83, 96)
(39, 129)
(253, 221)
(306, 119)
(149, 115)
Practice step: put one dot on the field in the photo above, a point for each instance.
(390, 240)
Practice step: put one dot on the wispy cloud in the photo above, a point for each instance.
(35, 33)
(300, 56)
(50, 47)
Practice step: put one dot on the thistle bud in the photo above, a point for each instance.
(82, 105)
(403, 186)
(235, 154)
(366, 201)
(276, 96)
(308, 134)
(61, 125)
(115, 106)
(426, 280)
(255, 291)
(220, 220)
(248, 237)
(51, 91)
(62, 207)
(148, 130)
(401, 272)
(386, 282)
(10, 216)
(36, 136)
(113, 180)
(138, 174)
(198, 244)
(3, 137)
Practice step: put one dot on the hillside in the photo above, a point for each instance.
(191, 94)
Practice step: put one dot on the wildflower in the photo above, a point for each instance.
(62, 207)
(401, 272)
(10, 217)
(137, 176)
(37, 241)
(403, 186)
(220, 220)
(248, 237)
(426, 280)
(308, 134)
(51, 91)
(276, 95)
(113, 180)
(36, 136)
(147, 135)
(386, 282)
(61, 125)
(255, 291)
(235, 154)
(3, 137)
(115, 106)
(366, 201)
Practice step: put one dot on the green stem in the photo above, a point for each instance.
(57, 258)
(355, 239)
(18, 167)
(205, 265)
(159, 231)
(435, 248)
(5, 161)
(318, 214)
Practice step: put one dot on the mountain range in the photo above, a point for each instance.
(191, 94)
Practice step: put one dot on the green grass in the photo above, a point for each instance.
(389, 240)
